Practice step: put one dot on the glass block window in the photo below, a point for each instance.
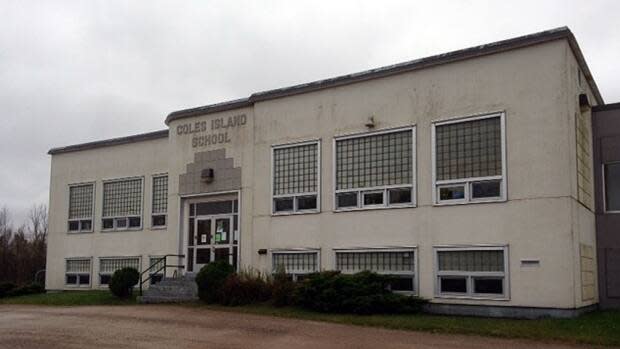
(295, 177)
(77, 272)
(81, 207)
(110, 265)
(375, 170)
(122, 204)
(296, 262)
(160, 201)
(472, 272)
(400, 264)
(468, 159)
(374, 161)
(81, 201)
(160, 194)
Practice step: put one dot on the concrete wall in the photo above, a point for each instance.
(607, 149)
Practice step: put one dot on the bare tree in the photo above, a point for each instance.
(5, 220)
(37, 221)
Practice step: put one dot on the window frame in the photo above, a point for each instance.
(116, 218)
(99, 273)
(604, 181)
(296, 196)
(386, 188)
(153, 215)
(471, 275)
(469, 181)
(412, 249)
(295, 275)
(77, 274)
(79, 220)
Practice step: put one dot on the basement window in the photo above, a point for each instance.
(295, 263)
(108, 265)
(77, 272)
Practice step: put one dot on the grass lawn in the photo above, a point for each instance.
(600, 328)
(69, 298)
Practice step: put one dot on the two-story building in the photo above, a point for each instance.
(468, 175)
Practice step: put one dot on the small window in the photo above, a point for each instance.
(295, 264)
(295, 179)
(468, 160)
(398, 264)
(108, 265)
(108, 223)
(81, 207)
(375, 170)
(160, 201)
(77, 272)
(472, 272)
(159, 221)
(612, 187)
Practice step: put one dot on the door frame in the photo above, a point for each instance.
(212, 245)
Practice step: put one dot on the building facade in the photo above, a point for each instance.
(606, 127)
(467, 175)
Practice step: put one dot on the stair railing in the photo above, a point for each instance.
(156, 267)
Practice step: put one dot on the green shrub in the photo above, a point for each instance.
(211, 278)
(282, 289)
(5, 288)
(361, 293)
(32, 288)
(122, 282)
(244, 288)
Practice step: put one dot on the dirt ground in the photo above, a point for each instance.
(169, 326)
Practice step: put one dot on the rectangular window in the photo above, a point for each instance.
(296, 178)
(399, 264)
(107, 267)
(469, 160)
(375, 170)
(472, 272)
(296, 264)
(81, 207)
(77, 272)
(122, 204)
(160, 201)
(611, 177)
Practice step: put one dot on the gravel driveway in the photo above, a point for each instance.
(169, 326)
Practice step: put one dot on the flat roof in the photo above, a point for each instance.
(454, 56)
(605, 107)
(108, 142)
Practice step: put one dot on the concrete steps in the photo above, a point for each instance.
(171, 290)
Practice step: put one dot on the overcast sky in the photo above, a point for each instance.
(78, 71)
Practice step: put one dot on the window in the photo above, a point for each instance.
(81, 207)
(611, 179)
(472, 272)
(296, 264)
(469, 160)
(107, 267)
(375, 170)
(296, 178)
(157, 271)
(400, 264)
(122, 204)
(77, 272)
(160, 201)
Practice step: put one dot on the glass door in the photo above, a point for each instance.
(214, 240)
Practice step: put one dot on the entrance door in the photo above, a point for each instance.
(214, 241)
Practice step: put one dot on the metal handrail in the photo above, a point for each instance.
(164, 268)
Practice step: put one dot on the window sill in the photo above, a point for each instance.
(478, 201)
(79, 232)
(472, 297)
(275, 214)
(77, 286)
(120, 230)
(159, 227)
(373, 208)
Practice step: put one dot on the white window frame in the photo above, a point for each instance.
(115, 219)
(296, 196)
(100, 273)
(470, 276)
(296, 273)
(361, 191)
(605, 187)
(79, 220)
(77, 274)
(468, 182)
(153, 197)
(412, 249)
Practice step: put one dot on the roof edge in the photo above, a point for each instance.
(606, 107)
(110, 142)
(444, 58)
